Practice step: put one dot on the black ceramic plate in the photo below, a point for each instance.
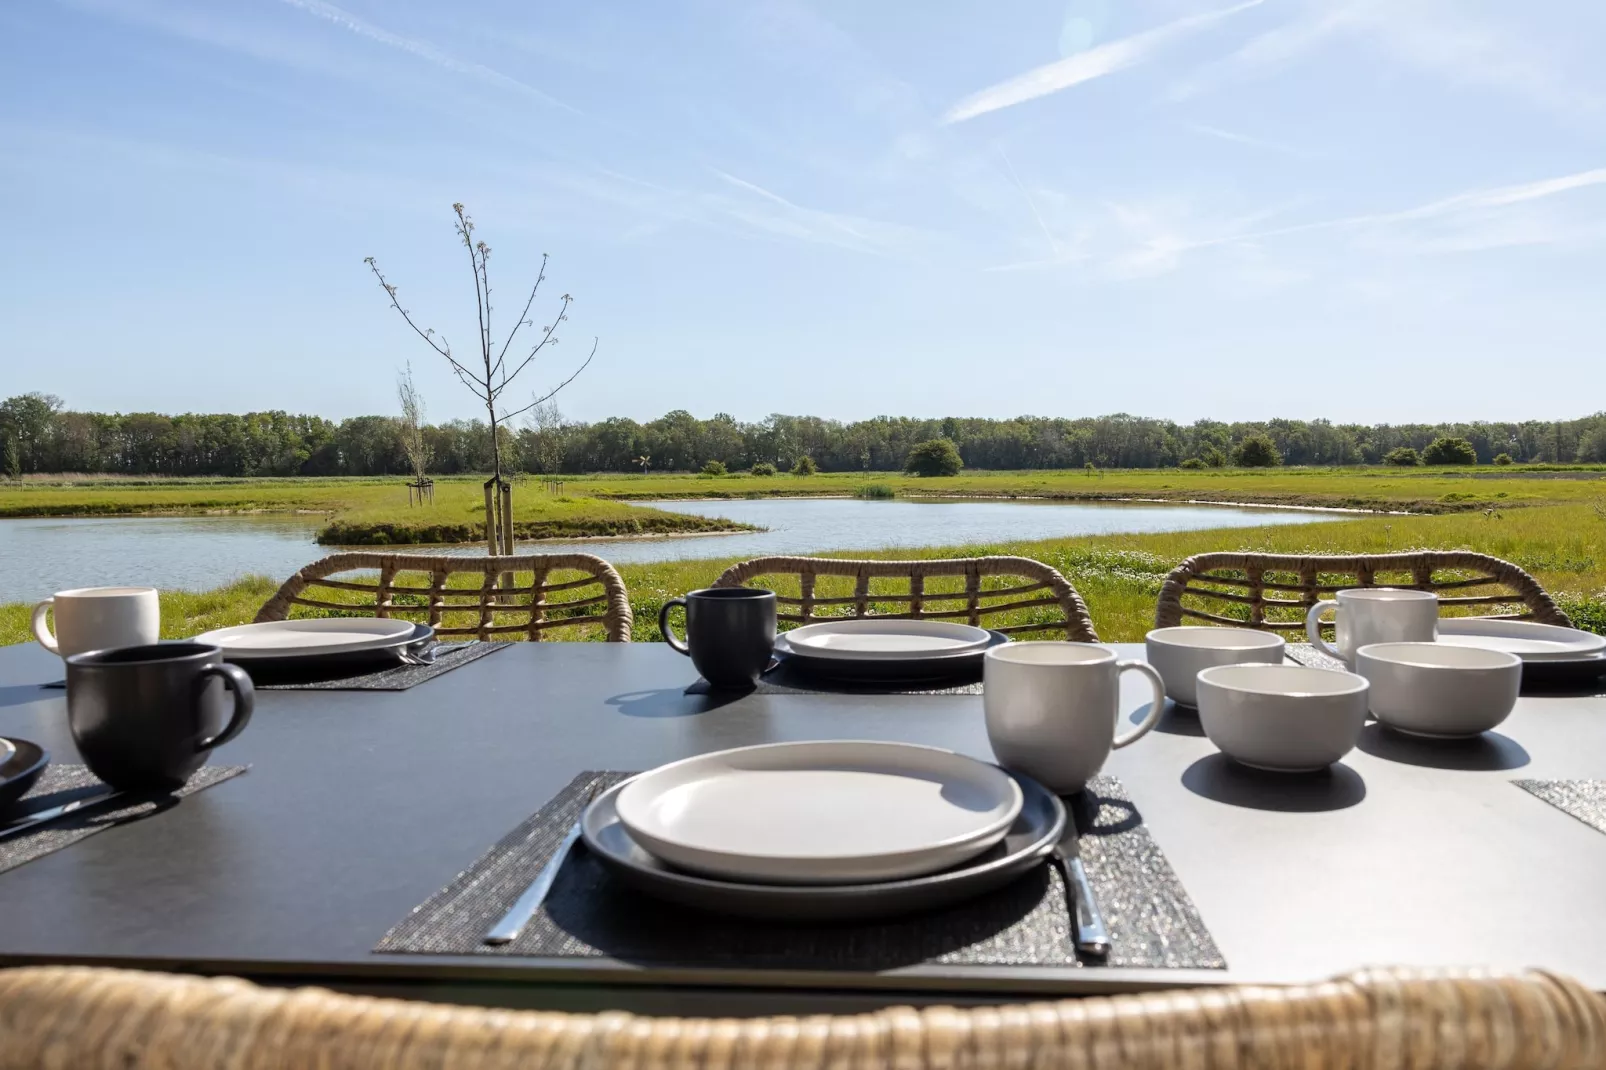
(1029, 840)
(1579, 671)
(916, 670)
(20, 770)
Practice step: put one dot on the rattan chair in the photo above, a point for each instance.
(1241, 588)
(965, 597)
(99, 1019)
(417, 587)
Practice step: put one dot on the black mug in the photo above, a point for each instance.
(146, 717)
(730, 633)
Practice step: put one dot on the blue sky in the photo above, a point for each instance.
(1360, 209)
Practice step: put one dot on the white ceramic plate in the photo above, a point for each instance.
(313, 637)
(880, 639)
(828, 812)
(1527, 640)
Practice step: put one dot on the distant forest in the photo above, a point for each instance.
(37, 434)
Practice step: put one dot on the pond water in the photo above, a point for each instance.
(38, 556)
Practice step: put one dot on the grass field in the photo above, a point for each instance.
(1119, 576)
(364, 512)
(1420, 490)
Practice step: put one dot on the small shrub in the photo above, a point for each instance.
(1503, 459)
(714, 468)
(878, 491)
(938, 457)
(1192, 462)
(1587, 612)
(1213, 458)
(805, 466)
(1403, 457)
(1447, 450)
(763, 468)
(1258, 451)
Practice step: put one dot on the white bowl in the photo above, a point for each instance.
(1438, 689)
(1180, 653)
(1285, 718)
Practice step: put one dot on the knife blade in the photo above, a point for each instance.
(524, 907)
(1091, 936)
(40, 817)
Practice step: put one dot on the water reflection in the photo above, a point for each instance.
(39, 556)
(798, 525)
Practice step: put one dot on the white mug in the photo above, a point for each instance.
(98, 618)
(1365, 615)
(1051, 709)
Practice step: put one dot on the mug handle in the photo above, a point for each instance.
(41, 630)
(1313, 627)
(235, 679)
(1154, 708)
(663, 626)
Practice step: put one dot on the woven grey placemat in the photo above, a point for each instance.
(448, 656)
(63, 783)
(588, 914)
(1583, 799)
(1307, 655)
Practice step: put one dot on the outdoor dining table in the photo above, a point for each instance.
(358, 805)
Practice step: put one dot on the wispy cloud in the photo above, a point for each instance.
(1086, 66)
(1470, 221)
(769, 212)
(1273, 49)
(1469, 202)
(1134, 237)
(424, 51)
(1236, 138)
(1134, 240)
(1445, 38)
(273, 41)
(736, 207)
(1053, 242)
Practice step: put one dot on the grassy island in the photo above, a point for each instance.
(356, 512)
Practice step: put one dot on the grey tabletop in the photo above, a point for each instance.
(359, 805)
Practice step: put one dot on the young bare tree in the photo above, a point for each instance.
(491, 372)
(550, 435)
(412, 431)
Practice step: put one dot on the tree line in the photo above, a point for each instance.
(38, 434)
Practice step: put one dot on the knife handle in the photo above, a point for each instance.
(523, 909)
(41, 817)
(1091, 934)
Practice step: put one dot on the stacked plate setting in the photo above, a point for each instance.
(829, 829)
(1549, 653)
(318, 641)
(21, 763)
(880, 648)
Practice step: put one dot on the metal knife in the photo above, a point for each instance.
(524, 907)
(40, 817)
(1091, 936)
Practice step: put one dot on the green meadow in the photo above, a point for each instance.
(1561, 542)
(356, 511)
(1417, 490)
(376, 511)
